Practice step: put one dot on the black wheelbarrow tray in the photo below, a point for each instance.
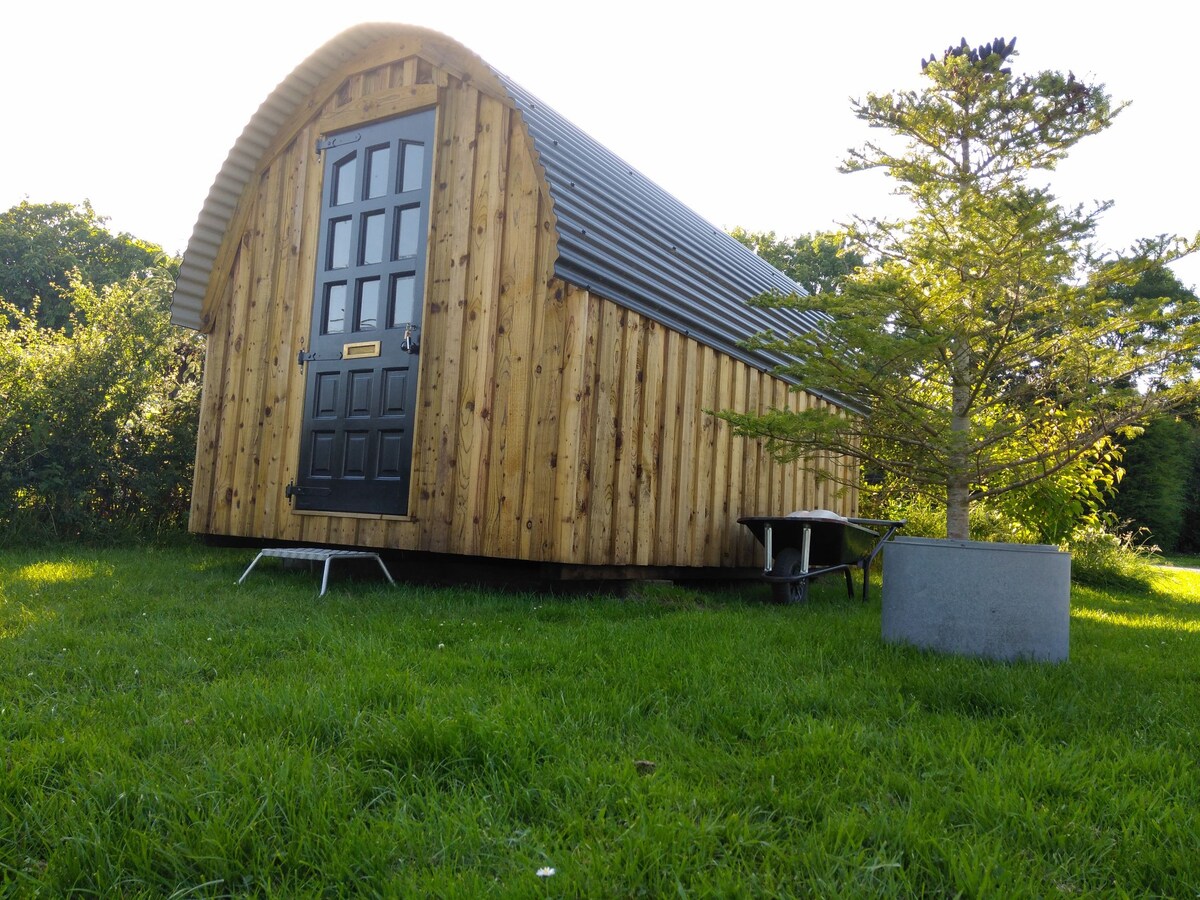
(799, 548)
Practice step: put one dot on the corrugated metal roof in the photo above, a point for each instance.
(619, 234)
(625, 238)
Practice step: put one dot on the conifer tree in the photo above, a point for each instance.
(984, 344)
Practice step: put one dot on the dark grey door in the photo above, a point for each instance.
(361, 360)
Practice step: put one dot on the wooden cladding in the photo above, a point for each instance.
(551, 423)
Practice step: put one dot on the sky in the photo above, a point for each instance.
(741, 110)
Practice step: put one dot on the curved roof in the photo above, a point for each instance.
(619, 234)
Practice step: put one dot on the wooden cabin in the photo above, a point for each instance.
(442, 318)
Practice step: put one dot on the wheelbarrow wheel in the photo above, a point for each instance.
(789, 561)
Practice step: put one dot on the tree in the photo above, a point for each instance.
(985, 345)
(1158, 474)
(1157, 284)
(817, 262)
(1157, 490)
(98, 433)
(42, 244)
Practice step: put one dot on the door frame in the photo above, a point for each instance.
(392, 104)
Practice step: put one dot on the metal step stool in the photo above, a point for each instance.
(317, 554)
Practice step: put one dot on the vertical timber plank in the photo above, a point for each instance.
(208, 436)
(789, 486)
(303, 247)
(685, 492)
(574, 383)
(451, 255)
(276, 343)
(603, 451)
(668, 502)
(549, 333)
(233, 426)
(752, 464)
(723, 531)
(702, 462)
(514, 348)
(649, 447)
(487, 233)
(770, 502)
(627, 440)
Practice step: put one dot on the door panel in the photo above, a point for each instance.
(361, 358)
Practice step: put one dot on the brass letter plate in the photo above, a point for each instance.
(362, 350)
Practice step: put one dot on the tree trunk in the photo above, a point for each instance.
(958, 508)
(958, 486)
(958, 483)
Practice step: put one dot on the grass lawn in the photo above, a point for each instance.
(165, 734)
(1191, 561)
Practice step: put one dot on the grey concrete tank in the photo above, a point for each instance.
(972, 598)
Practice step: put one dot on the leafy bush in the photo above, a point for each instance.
(988, 522)
(1045, 511)
(1105, 553)
(1052, 507)
(98, 436)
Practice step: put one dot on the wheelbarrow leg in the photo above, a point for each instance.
(849, 584)
(866, 567)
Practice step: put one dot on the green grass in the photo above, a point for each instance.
(1189, 560)
(166, 734)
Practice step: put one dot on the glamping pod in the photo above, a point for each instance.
(441, 318)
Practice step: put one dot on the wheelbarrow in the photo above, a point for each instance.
(801, 547)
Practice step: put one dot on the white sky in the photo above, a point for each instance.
(742, 112)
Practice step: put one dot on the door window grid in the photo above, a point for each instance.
(412, 166)
(399, 307)
(378, 171)
(344, 173)
(408, 231)
(339, 244)
(368, 305)
(402, 299)
(373, 224)
(335, 308)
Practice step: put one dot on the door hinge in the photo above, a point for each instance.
(304, 356)
(337, 141)
(294, 490)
